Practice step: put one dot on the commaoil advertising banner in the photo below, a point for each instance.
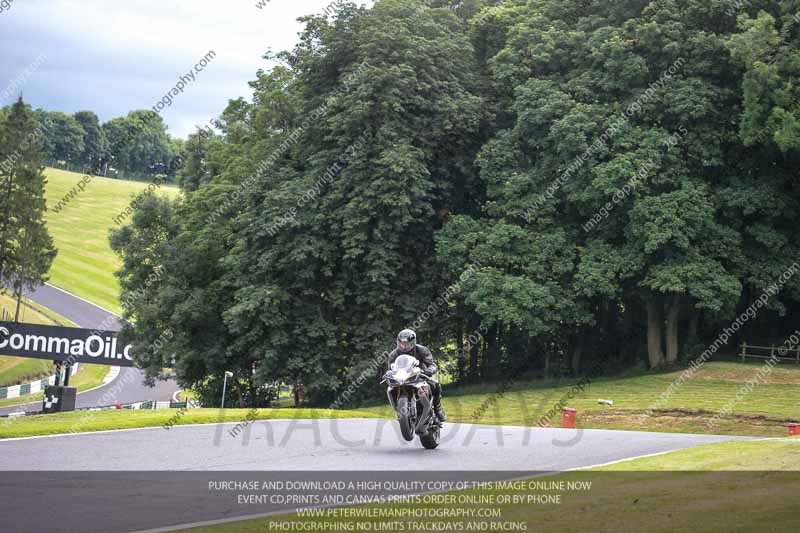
(73, 345)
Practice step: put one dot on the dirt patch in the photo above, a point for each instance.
(684, 421)
(705, 413)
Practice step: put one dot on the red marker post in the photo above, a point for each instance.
(568, 418)
(794, 429)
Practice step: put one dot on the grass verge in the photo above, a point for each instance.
(762, 412)
(87, 421)
(88, 377)
(679, 491)
(16, 370)
(85, 264)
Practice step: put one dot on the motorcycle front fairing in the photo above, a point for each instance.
(405, 372)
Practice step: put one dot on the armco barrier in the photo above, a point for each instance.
(147, 405)
(26, 389)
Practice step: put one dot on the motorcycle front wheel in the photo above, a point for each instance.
(431, 439)
(404, 417)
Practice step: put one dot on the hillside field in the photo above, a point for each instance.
(85, 264)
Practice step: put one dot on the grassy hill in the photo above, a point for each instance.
(85, 264)
(764, 411)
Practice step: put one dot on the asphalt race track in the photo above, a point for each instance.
(347, 444)
(157, 479)
(146, 479)
(130, 387)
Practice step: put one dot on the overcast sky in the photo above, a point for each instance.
(112, 56)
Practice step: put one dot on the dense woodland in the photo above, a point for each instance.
(539, 186)
(136, 146)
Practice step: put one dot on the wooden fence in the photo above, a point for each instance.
(768, 352)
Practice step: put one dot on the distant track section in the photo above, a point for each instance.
(128, 386)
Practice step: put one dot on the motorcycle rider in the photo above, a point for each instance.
(407, 345)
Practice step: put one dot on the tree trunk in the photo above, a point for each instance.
(577, 351)
(4, 223)
(694, 324)
(240, 395)
(530, 354)
(628, 341)
(547, 363)
(673, 317)
(18, 288)
(474, 347)
(19, 302)
(655, 323)
(490, 353)
(460, 349)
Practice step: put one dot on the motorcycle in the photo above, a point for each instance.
(410, 394)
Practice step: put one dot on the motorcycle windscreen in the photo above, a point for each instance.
(405, 362)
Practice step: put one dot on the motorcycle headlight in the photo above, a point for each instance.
(401, 376)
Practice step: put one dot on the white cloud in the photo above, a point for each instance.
(112, 57)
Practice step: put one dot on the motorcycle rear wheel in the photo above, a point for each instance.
(404, 417)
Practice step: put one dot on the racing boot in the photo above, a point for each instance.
(437, 407)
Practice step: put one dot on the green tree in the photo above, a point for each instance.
(95, 144)
(198, 167)
(325, 291)
(554, 186)
(768, 49)
(64, 137)
(26, 248)
(139, 143)
(370, 133)
(591, 97)
(765, 195)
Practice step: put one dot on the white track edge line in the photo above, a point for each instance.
(244, 518)
(2, 440)
(84, 433)
(83, 300)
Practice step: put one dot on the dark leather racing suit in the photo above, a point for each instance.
(426, 364)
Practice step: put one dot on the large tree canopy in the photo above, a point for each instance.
(533, 185)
